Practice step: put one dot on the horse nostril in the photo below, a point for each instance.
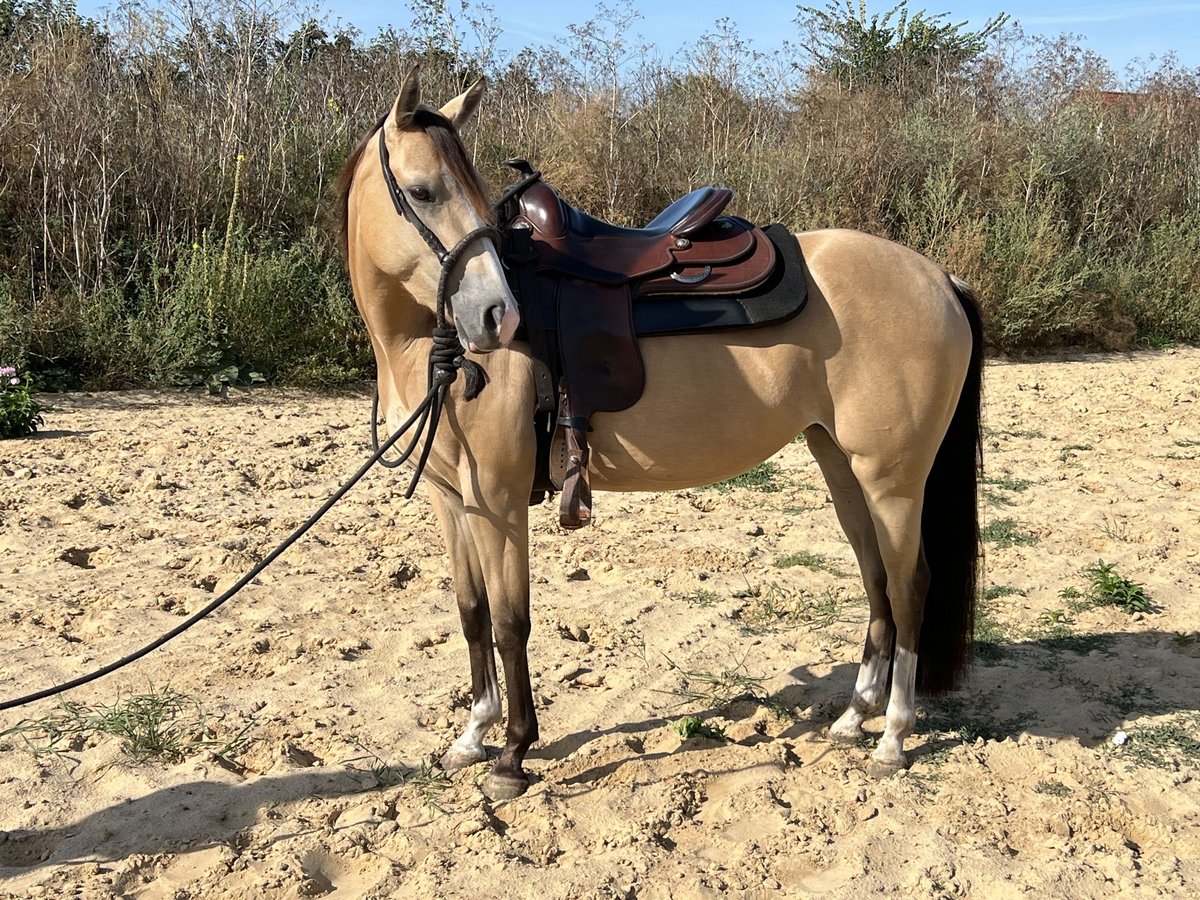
(495, 315)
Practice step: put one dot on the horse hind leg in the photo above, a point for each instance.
(471, 595)
(896, 508)
(870, 687)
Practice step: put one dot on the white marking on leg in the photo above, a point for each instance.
(901, 711)
(485, 712)
(872, 682)
(866, 700)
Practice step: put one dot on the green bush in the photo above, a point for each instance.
(1164, 281)
(20, 414)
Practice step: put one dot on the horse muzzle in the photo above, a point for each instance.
(499, 324)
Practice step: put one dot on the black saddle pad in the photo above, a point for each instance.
(779, 298)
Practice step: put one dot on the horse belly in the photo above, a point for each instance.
(713, 407)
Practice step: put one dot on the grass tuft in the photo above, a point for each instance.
(999, 591)
(693, 726)
(161, 724)
(817, 562)
(701, 597)
(717, 689)
(429, 781)
(778, 607)
(1005, 533)
(1164, 746)
(1053, 787)
(1008, 483)
(766, 477)
(990, 633)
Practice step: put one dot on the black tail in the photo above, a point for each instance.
(950, 528)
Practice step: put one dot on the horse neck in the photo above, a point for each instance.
(403, 338)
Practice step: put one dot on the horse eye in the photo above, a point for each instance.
(420, 193)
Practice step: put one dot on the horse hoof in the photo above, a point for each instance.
(846, 738)
(881, 770)
(455, 759)
(504, 787)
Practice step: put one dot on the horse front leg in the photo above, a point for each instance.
(471, 592)
(501, 536)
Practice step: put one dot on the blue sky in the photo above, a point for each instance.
(1118, 31)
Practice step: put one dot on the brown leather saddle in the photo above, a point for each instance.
(589, 289)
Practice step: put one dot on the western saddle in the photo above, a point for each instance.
(589, 289)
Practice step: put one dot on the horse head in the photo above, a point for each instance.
(419, 219)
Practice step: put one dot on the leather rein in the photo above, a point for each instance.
(446, 357)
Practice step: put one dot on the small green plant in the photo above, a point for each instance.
(1053, 787)
(1005, 533)
(990, 634)
(1004, 483)
(995, 498)
(764, 477)
(970, 720)
(1107, 587)
(429, 781)
(701, 597)
(780, 711)
(693, 726)
(1053, 619)
(1166, 745)
(20, 414)
(1068, 452)
(1008, 483)
(778, 606)
(160, 724)
(999, 591)
(1055, 627)
(818, 562)
(1023, 435)
(1116, 529)
(218, 365)
(969, 732)
(718, 689)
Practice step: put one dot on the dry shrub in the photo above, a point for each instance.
(163, 174)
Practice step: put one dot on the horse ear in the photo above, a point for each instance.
(408, 99)
(461, 108)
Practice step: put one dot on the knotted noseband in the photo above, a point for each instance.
(446, 357)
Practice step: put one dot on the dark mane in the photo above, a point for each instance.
(448, 146)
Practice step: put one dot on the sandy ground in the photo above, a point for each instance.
(132, 508)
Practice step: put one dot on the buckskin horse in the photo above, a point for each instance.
(881, 372)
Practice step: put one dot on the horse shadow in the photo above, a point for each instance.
(1067, 687)
(191, 815)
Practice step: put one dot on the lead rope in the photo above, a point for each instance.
(213, 605)
(445, 359)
